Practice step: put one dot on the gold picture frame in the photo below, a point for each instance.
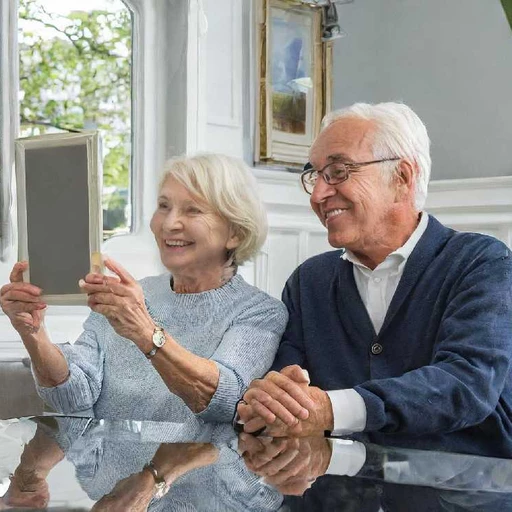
(295, 81)
(58, 184)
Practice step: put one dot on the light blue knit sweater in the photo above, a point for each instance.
(238, 326)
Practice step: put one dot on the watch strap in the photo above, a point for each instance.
(151, 353)
(161, 487)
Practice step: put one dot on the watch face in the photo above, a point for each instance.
(158, 338)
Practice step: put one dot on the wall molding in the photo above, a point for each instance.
(477, 204)
(471, 183)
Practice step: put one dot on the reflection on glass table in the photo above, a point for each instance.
(198, 463)
(349, 475)
(83, 464)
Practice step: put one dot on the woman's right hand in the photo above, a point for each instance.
(22, 303)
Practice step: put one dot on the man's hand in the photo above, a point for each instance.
(291, 465)
(285, 405)
(121, 300)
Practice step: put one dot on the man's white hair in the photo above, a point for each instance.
(399, 133)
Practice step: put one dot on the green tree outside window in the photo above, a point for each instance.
(75, 73)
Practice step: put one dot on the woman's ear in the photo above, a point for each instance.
(233, 240)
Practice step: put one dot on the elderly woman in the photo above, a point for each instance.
(184, 342)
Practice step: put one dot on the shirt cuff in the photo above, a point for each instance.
(347, 458)
(349, 411)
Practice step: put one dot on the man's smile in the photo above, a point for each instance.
(333, 213)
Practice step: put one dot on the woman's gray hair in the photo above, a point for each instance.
(399, 133)
(229, 187)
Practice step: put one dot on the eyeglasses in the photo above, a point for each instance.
(333, 173)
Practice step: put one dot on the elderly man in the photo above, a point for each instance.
(406, 333)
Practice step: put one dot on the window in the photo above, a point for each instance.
(75, 72)
(164, 118)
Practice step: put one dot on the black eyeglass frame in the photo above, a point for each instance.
(348, 167)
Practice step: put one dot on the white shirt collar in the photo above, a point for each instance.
(402, 253)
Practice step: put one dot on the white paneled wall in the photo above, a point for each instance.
(222, 50)
(483, 205)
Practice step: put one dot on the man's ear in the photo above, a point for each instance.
(405, 178)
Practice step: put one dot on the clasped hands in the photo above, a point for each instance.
(285, 405)
(291, 465)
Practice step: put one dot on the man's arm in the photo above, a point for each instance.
(282, 398)
(291, 348)
(471, 362)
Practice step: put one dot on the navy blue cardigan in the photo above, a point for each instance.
(443, 379)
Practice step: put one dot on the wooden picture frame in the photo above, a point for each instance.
(295, 81)
(58, 188)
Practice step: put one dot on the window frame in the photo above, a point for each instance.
(9, 118)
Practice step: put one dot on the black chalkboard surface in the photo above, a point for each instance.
(59, 215)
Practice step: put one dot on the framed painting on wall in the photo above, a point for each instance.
(295, 69)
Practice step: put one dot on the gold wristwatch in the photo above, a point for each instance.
(158, 339)
(161, 486)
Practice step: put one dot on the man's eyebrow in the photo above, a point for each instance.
(339, 156)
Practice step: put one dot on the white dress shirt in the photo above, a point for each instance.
(376, 288)
(347, 457)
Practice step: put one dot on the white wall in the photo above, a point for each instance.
(450, 60)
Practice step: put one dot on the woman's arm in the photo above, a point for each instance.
(121, 301)
(22, 303)
(28, 483)
(49, 365)
(169, 462)
(193, 378)
(212, 387)
(209, 387)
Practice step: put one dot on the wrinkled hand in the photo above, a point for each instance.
(22, 303)
(291, 465)
(131, 494)
(26, 490)
(285, 405)
(121, 300)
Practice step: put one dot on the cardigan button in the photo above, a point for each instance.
(376, 349)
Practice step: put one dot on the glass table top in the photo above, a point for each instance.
(80, 464)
